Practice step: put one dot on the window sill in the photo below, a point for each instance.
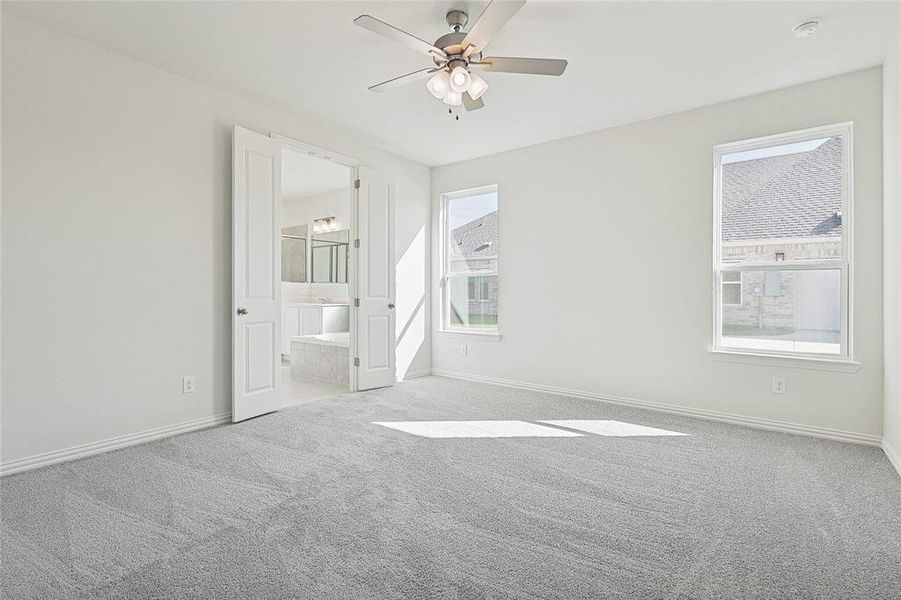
(472, 335)
(840, 365)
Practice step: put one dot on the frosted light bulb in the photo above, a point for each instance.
(460, 80)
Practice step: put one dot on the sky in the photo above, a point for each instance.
(769, 151)
(469, 208)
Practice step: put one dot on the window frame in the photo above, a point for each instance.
(844, 264)
(444, 275)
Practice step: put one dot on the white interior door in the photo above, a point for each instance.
(256, 277)
(375, 282)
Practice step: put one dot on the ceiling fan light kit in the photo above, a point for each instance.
(453, 98)
(439, 84)
(456, 54)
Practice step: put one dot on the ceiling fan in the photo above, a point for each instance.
(457, 54)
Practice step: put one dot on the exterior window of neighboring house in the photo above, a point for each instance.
(732, 287)
(782, 250)
(470, 247)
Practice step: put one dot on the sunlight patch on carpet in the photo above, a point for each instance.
(476, 429)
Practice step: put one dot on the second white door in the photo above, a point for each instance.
(375, 322)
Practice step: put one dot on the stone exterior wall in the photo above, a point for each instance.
(769, 300)
(760, 307)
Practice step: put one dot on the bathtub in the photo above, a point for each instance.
(323, 356)
(341, 339)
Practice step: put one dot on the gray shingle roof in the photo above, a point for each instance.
(478, 238)
(790, 196)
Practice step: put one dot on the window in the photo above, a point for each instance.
(469, 277)
(782, 244)
(732, 287)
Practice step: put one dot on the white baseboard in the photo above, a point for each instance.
(414, 374)
(893, 455)
(123, 441)
(711, 415)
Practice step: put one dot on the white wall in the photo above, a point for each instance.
(892, 199)
(303, 211)
(606, 263)
(116, 241)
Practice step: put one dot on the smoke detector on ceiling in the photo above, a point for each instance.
(806, 28)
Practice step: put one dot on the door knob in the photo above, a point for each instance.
(242, 311)
(391, 305)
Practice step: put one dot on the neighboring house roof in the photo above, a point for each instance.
(790, 196)
(477, 238)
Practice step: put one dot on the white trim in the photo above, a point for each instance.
(710, 415)
(488, 336)
(846, 132)
(316, 151)
(415, 374)
(122, 441)
(443, 263)
(800, 361)
(893, 455)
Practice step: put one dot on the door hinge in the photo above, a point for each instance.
(356, 302)
(356, 184)
(357, 243)
(356, 362)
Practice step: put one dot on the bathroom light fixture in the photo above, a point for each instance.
(325, 224)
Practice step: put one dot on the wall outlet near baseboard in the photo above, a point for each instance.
(187, 384)
(778, 385)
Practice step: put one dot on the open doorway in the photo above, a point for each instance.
(334, 293)
(316, 219)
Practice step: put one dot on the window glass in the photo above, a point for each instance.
(783, 202)
(782, 267)
(797, 311)
(473, 301)
(471, 261)
(731, 287)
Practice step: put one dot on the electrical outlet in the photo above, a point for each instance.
(778, 385)
(464, 350)
(187, 384)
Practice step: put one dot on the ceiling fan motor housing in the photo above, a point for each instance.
(452, 44)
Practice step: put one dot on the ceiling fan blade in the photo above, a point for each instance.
(529, 66)
(492, 19)
(470, 104)
(393, 84)
(398, 35)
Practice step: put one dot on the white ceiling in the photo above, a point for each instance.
(628, 61)
(304, 176)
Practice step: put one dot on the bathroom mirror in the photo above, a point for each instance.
(294, 254)
(330, 251)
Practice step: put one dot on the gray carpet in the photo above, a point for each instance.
(317, 502)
